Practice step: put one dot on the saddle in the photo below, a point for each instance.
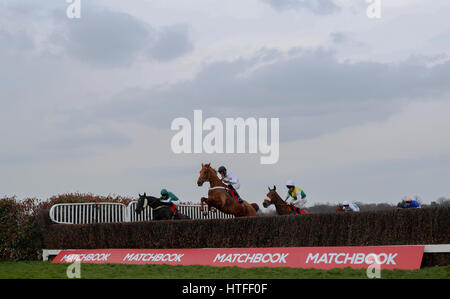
(174, 208)
(171, 206)
(297, 211)
(232, 194)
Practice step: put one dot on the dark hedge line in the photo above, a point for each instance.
(20, 238)
(24, 223)
(435, 259)
(396, 227)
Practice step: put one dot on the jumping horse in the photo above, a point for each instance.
(281, 206)
(161, 210)
(218, 196)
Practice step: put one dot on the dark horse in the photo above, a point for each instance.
(282, 207)
(161, 210)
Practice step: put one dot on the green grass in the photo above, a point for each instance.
(47, 270)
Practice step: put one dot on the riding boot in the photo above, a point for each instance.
(240, 200)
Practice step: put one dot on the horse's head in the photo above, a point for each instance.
(339, 208)
(205, 174)
(272, 197)
(142, 203)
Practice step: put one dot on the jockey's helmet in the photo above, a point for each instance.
(345, 203)
(290, 183)
(164, 192)
(222, 169)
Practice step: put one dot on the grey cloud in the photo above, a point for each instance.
(70, 139)
(346, 39)
(106, 38)
(312, 93)
(64, 144)
(441, 40)
(398, 177)
(319, 7)
(171, 42)
(114, 39)
(339, 37)
(19, 41)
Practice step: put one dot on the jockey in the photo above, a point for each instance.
(296, 196)
(231, 180)
(167, 197)
(349, 207)
(409, 203)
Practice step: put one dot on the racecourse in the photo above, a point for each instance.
(47, 270)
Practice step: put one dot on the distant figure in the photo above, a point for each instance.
(410, 203)
(349, 207)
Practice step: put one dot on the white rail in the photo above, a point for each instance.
(86, 213)
(191, 210)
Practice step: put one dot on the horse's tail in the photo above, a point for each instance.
(255, 206)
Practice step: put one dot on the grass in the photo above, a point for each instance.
(47, 270)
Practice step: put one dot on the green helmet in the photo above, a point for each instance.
(164, 192)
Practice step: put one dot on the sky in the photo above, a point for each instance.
(86, 104)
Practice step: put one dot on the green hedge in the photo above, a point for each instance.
(24, 224)
(20, 238)
(396, 227)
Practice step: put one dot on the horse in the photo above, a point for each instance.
(161, 210)
(281, 206)
(340, 209)
(219, 198)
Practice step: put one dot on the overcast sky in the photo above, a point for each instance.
(86, 104)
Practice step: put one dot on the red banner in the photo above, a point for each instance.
(389, 257)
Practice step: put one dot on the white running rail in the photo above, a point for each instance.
(87, 213)
(191, 210)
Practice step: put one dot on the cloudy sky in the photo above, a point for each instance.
(86, 104)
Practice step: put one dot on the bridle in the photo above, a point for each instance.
(207, 175)
(207, 179)
(276, 204)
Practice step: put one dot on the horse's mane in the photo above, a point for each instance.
(277, 196)
(208, 166)
(152, 200)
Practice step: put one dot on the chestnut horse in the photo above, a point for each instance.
(282, 207)
(340, 209)
(218, 196)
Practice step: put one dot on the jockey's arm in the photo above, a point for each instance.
(172, 197)
(303, 194)
(287, 197)
(232, 179)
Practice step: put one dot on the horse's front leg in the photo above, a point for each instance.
(202, 209)
(202, 200)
